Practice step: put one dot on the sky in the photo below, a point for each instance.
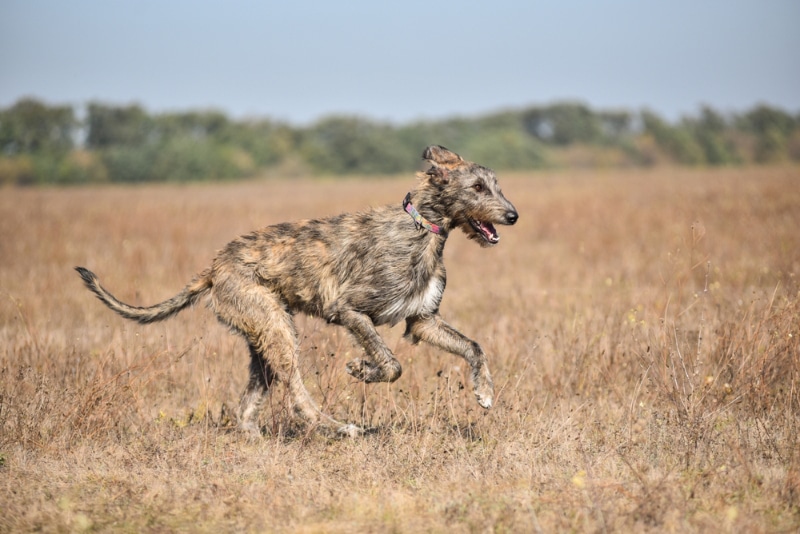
(299, 61)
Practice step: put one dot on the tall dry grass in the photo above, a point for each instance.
(642, 329)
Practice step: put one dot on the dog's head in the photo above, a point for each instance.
(468, 195)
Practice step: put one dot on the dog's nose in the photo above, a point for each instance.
(511, 217)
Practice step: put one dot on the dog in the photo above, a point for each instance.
(357, 270)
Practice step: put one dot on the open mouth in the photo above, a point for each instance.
(486, 231)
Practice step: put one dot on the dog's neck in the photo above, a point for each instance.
(419, 220)
(425, 203)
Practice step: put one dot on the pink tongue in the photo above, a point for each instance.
(489, 231)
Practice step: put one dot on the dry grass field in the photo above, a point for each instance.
(643, 329)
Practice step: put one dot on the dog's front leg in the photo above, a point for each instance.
(381, 365)
(434, 330)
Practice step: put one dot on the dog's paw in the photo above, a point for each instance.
(350, 430)
(364, 370)
(484, 394)
(484, 400)
(483, 386)
(369, 371)
(250, 430)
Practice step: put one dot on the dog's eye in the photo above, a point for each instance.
(478, 187)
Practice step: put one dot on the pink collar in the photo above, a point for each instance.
(419, 220)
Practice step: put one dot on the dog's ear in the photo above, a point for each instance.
(442, 157)
(437, 175)
(443, 161)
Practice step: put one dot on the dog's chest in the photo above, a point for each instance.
(421, 302)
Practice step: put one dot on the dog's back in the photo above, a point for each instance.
(376, 262)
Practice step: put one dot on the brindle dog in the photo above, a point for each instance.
(358, 270)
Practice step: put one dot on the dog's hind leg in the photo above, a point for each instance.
(277, 341)
(261, 378)
(261, 318)
(381, 365)
(434, 330)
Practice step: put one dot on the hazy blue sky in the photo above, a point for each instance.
(299, 60)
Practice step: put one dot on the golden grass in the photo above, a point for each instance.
(642, 328)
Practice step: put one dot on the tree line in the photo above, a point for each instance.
(51, 144)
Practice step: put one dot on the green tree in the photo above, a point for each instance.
(266, 142)
(615, 126)
(118, 126)
(506, 150)
(31, 127)
(195, 124)
(563, 124)
(772, 129)
(344, 145)
(711, 131)
(676, 141)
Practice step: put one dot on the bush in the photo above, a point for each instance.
(81, 167)
(17, 170)
(507, 150)
(343, 145)
(130, 164)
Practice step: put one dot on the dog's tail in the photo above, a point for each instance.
(150, 314)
